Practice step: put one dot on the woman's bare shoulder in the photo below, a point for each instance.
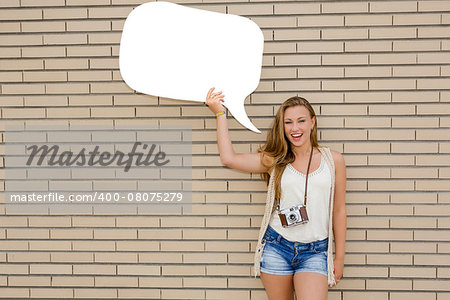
(338, 158)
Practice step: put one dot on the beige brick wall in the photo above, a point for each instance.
(378, 74)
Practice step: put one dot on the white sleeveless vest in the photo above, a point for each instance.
(317, 205)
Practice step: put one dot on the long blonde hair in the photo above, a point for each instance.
(277, 144)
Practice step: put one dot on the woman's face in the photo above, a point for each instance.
(298, 125)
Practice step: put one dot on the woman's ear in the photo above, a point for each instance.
(313, 121)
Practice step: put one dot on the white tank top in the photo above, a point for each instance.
(292, 193)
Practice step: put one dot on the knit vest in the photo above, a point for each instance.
(270, 206)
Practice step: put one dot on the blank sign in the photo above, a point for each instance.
(173, 51)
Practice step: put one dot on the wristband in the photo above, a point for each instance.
(220, 113)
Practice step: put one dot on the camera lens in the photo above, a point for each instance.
(292, 217)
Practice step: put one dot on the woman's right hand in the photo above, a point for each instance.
(213, 100)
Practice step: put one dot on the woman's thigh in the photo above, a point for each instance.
(278, 287)
(310, 286)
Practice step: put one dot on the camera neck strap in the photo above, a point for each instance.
(306, 180)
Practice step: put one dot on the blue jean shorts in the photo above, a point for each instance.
(283, 257)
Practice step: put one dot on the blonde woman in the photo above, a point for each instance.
(294, 251)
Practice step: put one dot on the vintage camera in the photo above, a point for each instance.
(293, 216)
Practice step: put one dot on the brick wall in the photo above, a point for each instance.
(378, 75)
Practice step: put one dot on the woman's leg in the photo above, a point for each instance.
(311, 286)
(278, 287)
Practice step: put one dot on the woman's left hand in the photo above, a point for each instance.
(338, 269)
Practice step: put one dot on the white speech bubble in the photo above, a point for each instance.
(173, 51)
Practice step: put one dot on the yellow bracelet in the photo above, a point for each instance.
(220, 113)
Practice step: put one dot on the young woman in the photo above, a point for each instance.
(295, 248)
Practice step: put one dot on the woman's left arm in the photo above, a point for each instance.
(339, 215)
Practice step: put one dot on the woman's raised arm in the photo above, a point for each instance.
(247, 162)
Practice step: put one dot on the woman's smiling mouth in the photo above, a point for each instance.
(297, 136)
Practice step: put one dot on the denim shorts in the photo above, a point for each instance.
(283, 257)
